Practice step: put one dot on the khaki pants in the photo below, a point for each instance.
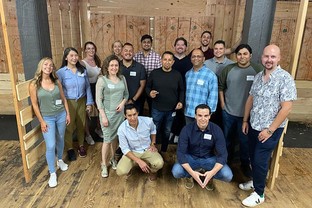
(77, 112)
(154, 159)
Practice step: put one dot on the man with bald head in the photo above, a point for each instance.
(267, 107)
(201, 86)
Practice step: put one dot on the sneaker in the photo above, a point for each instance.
(189, 183)
(82, 151)
(71, 155)
(253, 200)
(246, 186)
(52, 180)
(99, 132)
(113, 162)
(104, 172)
(210, 186)
(62, 165)
(89, 140)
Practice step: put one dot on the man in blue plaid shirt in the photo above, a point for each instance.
(201, 86)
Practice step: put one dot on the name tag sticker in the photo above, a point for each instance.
(80, 74)
(207, 136)
(174, 114)
(200, 82)
(250, 78)
(133, 74)
(58, 102)
(110, 86)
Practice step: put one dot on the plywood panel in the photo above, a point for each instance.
(32, 137)
(283, 35)
(35, 155)
(136, 27)
(120, 28)
(166, 30)
(304, 71)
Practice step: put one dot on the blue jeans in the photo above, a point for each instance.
(224, 174)
(232, 128)
(260, 154)
(54, 138)
(163, 119)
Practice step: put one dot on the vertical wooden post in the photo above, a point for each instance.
(14, 80)
(302, 14)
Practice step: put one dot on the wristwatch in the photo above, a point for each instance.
(269, 131)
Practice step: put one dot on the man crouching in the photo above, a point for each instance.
(201, 152)
(137, 138)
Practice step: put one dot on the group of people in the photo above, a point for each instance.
(201, 100)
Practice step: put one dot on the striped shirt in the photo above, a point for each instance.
(201, 88)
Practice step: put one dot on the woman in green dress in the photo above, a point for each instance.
(111, 96)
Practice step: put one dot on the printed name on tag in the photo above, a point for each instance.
(200, 82)
(132, 74)
(111, 86)
(250, 78)
(207, 136)
(58, 102)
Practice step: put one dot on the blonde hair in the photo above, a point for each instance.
(117, 41)
(38, 74)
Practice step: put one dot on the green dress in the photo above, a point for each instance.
(108, 96)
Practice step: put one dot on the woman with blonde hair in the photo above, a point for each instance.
(111, 96)
(116, 49)
(50, 106)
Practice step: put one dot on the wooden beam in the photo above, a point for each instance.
(14, 79)
(302, 13)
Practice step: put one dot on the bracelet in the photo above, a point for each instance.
(269, 131)
(153, 144)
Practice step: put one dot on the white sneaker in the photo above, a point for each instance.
(99, 132)
(52, 180)
(62, 165)
(90, 140)
(104, 172)
(113, 162)
(246, 186)
(253, 200)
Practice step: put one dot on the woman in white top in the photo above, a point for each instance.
(92, 63)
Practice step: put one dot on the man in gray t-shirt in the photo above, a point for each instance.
(217, 64)
(219, 61)
(234, 85)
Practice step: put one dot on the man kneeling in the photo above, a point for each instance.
(137, 137)
(201, 152)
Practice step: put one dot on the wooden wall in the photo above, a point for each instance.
(104, 22)
(283, 34)
(6, 97)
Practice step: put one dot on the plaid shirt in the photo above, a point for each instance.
(150, 62)
(201, 88)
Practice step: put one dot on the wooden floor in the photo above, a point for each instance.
(82, 185)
